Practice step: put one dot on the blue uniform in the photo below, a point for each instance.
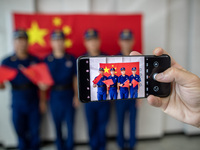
(25, 104)
(134, 90)
(61, 97)
(101, 92)
(122, 107)
(123, 90)
(97, 114)
(113, 88)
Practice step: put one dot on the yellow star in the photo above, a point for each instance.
(106, 70)
(67, 30)
(68, 43)
(36, 35)
(57, 21)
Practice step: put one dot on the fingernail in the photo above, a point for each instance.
(159, 76)
(156, 51)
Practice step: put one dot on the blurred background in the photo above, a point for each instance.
(170, 24)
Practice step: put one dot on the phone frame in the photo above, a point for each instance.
(148, 75)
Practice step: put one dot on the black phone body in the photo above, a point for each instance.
(138, 78)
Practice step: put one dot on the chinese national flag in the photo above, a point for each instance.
(38, 73)
(40, 26)
(118, 66)
(108, 82)
(7, 73)
(134, 82)
(96, 80)
(126, 83)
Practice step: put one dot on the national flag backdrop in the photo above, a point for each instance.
(128, 67)
(40, 26)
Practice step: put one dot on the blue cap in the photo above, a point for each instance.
(112, 69)
(134, 69)
(122, 69)
(126, 34)
(20, 33)
(101, 69)
(91, 33)
(57, 34)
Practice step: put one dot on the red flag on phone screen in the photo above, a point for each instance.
(126, 83)
(7, 73)
(134, 82)
(96, 80)
(38, 73)
(108, 82)
(118, 66)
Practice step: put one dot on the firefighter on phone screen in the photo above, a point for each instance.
(121, 80)
(113, 88)
(134, 88)
(102, 90)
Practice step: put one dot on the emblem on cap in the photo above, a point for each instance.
(91, 32)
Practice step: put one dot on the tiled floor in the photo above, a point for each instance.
(172, 142)
(178, 142)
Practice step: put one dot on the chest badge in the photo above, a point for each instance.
(68, 64)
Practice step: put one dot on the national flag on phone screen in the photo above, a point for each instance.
(108, 82)
(96, 80)
(128, 67)
(38, 73)
(7, 73)
(134, 82)
(126, 83)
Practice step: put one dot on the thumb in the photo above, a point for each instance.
(182, 77)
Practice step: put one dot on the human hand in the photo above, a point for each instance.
(43, 86)
(76, 102)
(183, 103)
(43, 107)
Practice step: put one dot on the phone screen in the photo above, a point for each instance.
(121, 77)
(114, 78)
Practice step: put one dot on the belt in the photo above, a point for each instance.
(101, 85)
(62, 87)
(23, 86)
(113, 86)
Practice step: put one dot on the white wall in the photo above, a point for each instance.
(171, 24)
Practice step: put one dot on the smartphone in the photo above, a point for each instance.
(121, 77)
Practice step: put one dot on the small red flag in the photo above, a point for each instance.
(108, 82)
(126, 83)
(38, 73)
(7, 73)
(96, 80)
(134, 82)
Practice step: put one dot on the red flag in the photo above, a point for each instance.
(126, 83)
(118, 66)
(134, 82)
(40, 26)
(96, 80)
(38, 73)
(108, 82)
(7, 73)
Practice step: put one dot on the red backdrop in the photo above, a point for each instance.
(39, 27)
(128, 67)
